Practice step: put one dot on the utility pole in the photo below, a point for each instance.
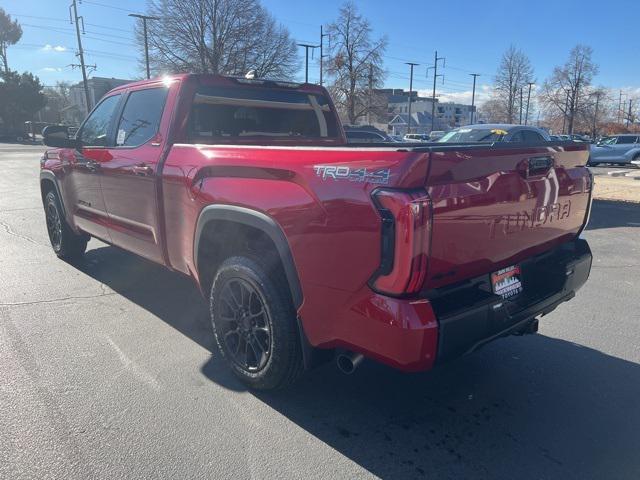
(526, 115)
(411, 65)
(435, 76)
(322, 55)
(75, 19)
(564, 113)
(370, 94)
(307, 46)
(620, 107)
(144, 19)
(473, 95)
(629, 114)
(595, 116)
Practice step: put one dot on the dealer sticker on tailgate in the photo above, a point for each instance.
(507, 282)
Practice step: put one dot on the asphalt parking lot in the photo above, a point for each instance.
(108, 370)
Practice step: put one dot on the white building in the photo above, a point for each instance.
(97, 86)
(447, 114)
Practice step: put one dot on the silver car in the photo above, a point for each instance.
(495, 132)
(622, 149)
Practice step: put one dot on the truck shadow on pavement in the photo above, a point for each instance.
(612, 214)
(523, 407)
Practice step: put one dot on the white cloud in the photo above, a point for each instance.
(483, 92)
(51, 69)
(54, 48)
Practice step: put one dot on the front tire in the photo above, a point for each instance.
(254, 324)
(65, 242)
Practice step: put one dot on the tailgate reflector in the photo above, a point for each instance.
(406, 232)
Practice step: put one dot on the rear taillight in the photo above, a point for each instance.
(406, 233)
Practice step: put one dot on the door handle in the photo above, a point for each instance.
(91, 166)
(539, 165)
(142, 169)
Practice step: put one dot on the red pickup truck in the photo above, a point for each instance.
(308, 247)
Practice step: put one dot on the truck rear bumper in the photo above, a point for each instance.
(417, 334)
(549, 280)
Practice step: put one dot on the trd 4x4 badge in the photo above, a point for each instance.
(379, 176)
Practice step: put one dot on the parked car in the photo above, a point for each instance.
(489, 133)
(366, 136)
(416, 137)
(579, 138)
(308, 248)
(436, 135)
(618, 149)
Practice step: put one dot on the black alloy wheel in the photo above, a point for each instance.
(54, 225)
(245, 327)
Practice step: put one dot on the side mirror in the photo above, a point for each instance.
(58, 136)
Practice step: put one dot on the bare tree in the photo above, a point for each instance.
(492, 111)
(514, 72)
(355, 64)
(568, 91)
(218, 36)
(10, 34)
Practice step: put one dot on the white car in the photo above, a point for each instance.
(416, 137)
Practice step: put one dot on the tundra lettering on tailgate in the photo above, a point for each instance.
(528, 219)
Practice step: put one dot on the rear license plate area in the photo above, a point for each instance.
(507, 282)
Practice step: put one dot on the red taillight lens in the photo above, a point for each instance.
(406, 232)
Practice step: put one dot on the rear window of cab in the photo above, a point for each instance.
(226, 113)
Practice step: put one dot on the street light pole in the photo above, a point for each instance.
(473, 95)
(306, 59)
(526, 115)
(411, 65)
(322, 55)
(144, 19)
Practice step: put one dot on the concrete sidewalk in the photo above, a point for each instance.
(624, 188)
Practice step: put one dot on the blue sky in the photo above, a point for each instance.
(470, 34)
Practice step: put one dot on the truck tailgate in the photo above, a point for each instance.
(494, 207)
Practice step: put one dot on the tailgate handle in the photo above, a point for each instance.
(537, 165)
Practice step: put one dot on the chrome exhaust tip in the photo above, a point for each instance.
(348, 362)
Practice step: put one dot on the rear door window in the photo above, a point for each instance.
(220, 113)
(626, 140)
(141, 116)
(518, 137)
(532, 136)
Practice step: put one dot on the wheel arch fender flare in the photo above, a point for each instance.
(260, 221)
(633, 153)
(49, 176)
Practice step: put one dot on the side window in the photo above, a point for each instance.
(531, 136)
(141, 116)
(95, 128)
(517, 137)
(626, 140)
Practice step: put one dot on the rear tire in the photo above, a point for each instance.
(65, 242)
(254, 324)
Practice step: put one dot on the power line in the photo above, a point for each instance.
(109, 6)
